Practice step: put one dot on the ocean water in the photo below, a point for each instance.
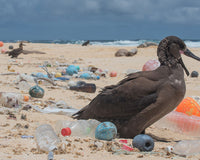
(189, 43)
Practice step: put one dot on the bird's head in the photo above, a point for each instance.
(169, 52)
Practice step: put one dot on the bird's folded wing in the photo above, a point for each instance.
(127, 98)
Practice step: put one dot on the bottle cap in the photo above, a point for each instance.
(66, 131)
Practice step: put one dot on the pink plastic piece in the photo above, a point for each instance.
(151, 65)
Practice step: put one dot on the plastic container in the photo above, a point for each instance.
(24, 86)
(11, 99)
(84, 87)
(106, 131)
(25, 77)
(189, 106)
(46, 138)
(187, 147)
(151, 65)
(181, 123)
(79, 128)
(36, 92)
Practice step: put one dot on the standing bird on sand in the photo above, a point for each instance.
(142, 98)
(16, 52)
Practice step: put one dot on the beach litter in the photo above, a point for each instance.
(1, 44)
(151, 65)
(55, 110)
(143, 142)
(187, 147)
(12, 99)
(194, 74)
(113, 74)
(106, 131)
(185, 119)
(36, 92)
(82, 86)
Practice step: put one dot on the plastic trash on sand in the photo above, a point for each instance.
(181, 123)
(46, 138)
(55, 110)
(11, 99)
(187, 147)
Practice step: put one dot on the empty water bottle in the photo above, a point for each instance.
(46, 138)
(187, 147)
(80, 128)
(181, 123)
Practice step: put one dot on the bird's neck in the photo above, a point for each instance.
(170, 62)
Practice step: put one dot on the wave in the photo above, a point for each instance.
(189, 43)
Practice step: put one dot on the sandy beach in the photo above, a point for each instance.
(13, 147)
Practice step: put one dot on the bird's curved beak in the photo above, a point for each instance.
(188, 53)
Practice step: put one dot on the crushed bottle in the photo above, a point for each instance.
(46, 138)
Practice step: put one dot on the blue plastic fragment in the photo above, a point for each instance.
(85, 76)
(71, 70)
(27, 136)
(106, 131)
(61, 78)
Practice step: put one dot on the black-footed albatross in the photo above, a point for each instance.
(16, 52)
(142, 98)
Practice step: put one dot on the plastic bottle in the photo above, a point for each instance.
(11, 99)
(50, 155)
(187, 147)
(24, 86)
(25, 77)
(46, 138)
(84, 87)
(80, 128)
(181, 123)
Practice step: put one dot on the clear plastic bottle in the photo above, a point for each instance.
(25, 77)
(80, 128)
(24, 86)
(46, 138)
(187, 147)
(181, 123)
(12, 99)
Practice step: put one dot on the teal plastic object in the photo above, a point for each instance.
(36, 92)
(71, 70)
(85, 76)
(106, 131)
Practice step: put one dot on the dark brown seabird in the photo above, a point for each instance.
(142, 98)
(16, 52)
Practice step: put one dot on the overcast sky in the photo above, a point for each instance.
(98, 19)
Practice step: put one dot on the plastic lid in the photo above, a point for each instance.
(66, 131)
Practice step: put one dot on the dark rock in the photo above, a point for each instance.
(125, 52)
(147, 44)
(10, 47)
(121, 52)
(132, 52)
